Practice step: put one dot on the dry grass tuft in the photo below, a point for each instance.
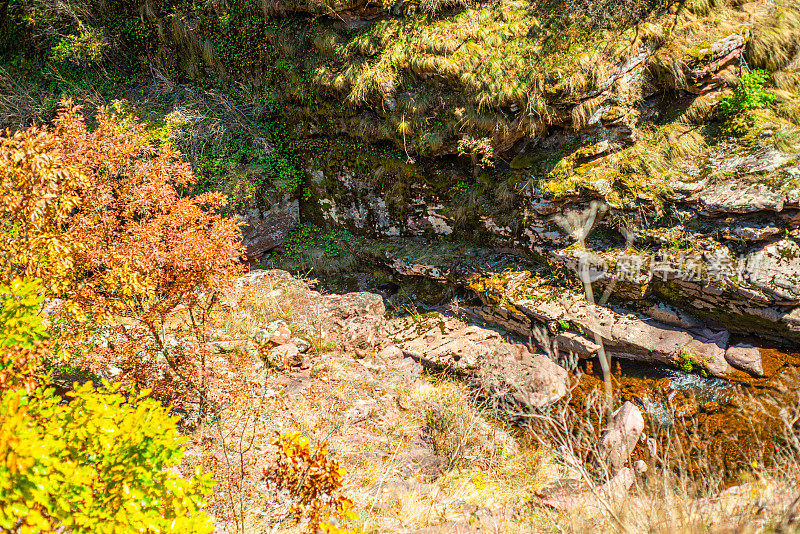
(775, 42)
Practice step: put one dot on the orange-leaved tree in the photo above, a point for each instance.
(98, 216)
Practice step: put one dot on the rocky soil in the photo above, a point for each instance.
(416, 407)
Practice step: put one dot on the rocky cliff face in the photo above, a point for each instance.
(653, 142)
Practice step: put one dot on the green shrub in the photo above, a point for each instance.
(310, 236)
(748, 95)
(84, 49)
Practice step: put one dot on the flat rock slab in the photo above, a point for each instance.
(506, 372)
(614, 490)
(630, 336)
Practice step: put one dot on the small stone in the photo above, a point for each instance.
(286, 355)
(410, 366)
(640, 466)
(302, 345)
(281, 336)
(652, 446)
(360, 409)
(276, 333)
(391, 352)
(221, 347)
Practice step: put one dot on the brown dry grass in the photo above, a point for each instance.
(373, 414)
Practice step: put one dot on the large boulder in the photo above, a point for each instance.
(354, 320)
(262, 231)
(618, 442)
(522, 379)
(745, 357)
(507, 373)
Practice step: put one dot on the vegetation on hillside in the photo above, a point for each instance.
(133, 364)
(108, 271)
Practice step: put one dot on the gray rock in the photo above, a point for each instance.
(354, 319)
(671, 315)
(745, 357)
(617, 444)
(523, 380)
(632, 337)
(775, 269)
(263, 231)
(737, 197)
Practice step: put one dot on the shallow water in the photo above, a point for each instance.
(720, 424)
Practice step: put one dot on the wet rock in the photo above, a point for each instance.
(745, 357)
(618, 442)
(671, 315)
(753, 231)
(633, 337)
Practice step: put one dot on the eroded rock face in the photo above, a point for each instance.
(509, 373)
(523, 303)
(356, 320)
(627, 336)
(262, 231)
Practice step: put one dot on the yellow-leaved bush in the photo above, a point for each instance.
(97, 464)
(22, 335)
(101, 462)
